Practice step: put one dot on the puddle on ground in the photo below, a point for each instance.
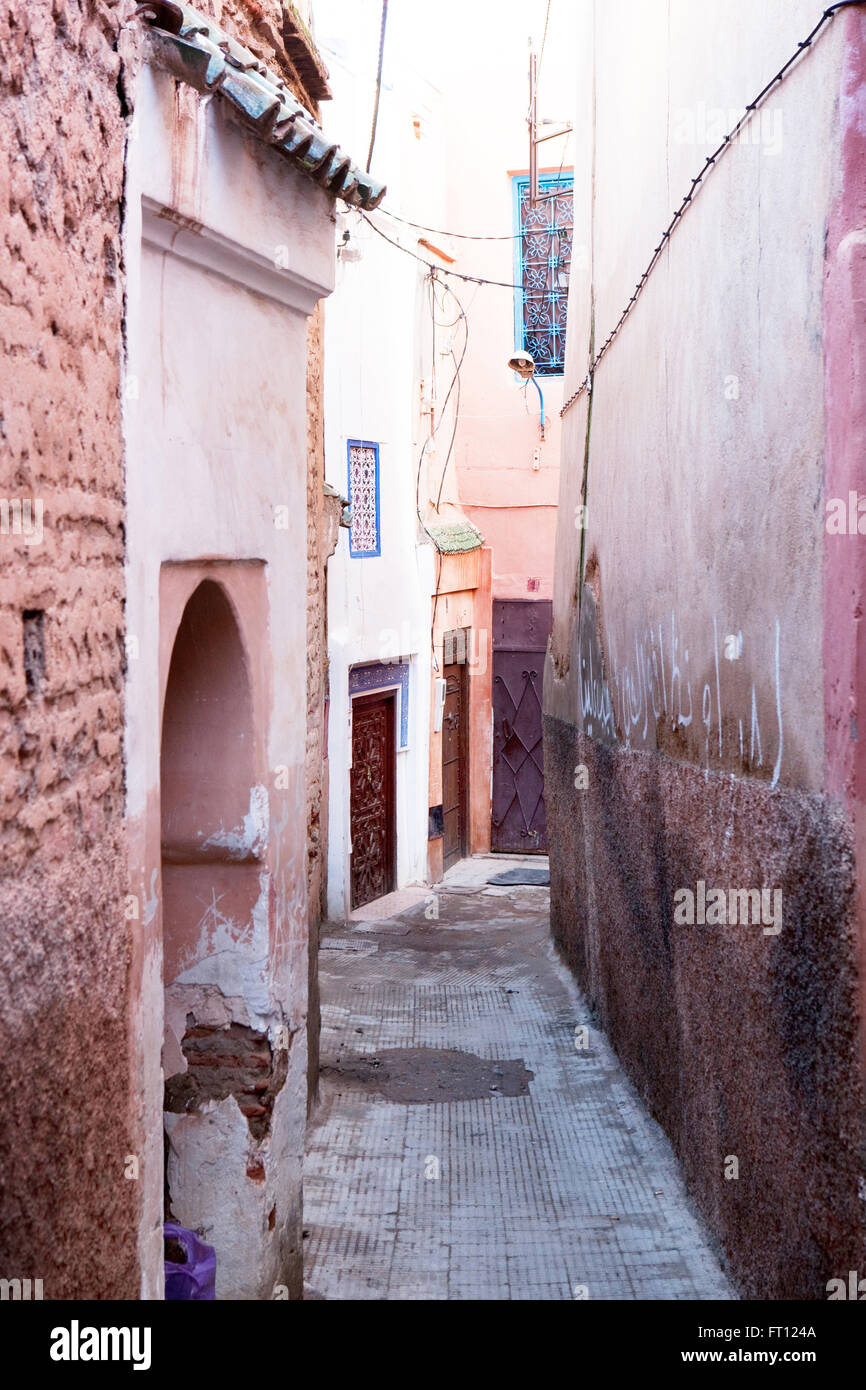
(425, 1075)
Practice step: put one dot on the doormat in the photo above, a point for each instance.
(534, 878)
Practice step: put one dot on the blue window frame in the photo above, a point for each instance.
(363, 492)
(542, 265)
(381, 675)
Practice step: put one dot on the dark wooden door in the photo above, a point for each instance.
(520, 633)
(454, 766)
(372, 798)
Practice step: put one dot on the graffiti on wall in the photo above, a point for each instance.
(637, 699)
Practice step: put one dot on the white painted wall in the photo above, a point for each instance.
(379, 608)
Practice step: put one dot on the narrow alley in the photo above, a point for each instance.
(476, 1136)
(432, 579)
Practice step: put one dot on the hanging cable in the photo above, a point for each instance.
(452, 274)
(378, 83)
(697, 183)
(455, 380)
(435, 426)
(543, 42)
(459, 236)
(456, 377)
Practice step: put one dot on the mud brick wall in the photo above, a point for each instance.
(319, 528)
(67, 1212)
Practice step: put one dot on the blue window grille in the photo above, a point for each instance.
(363, 493)
(542, 265)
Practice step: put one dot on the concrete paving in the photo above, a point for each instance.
(476, 1137)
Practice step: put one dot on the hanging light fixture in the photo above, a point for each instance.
(523, 363)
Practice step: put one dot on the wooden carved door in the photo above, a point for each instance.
(520, 633)
(372, 798)
(454, 765)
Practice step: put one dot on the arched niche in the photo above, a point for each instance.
(213, 827)
(207, 756)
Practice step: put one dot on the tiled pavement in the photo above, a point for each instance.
(567, 1191)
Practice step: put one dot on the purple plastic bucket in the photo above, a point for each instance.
(195, 1278)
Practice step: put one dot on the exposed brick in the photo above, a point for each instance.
(234, 1061)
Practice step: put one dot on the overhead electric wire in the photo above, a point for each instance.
(378, 83)
(543, 42)
(459, 236)
(462, 236)
(460, 318)
(455, 380)
(440, 270)
(697, 183)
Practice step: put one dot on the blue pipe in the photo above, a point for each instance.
(534, 381)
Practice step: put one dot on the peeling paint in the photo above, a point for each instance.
(250, 840)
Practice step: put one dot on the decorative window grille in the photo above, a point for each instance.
(543, 266)
(364, 538)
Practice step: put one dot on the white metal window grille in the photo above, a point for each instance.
(364, 537)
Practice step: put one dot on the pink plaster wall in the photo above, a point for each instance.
(522, 541)
(189, 881)
(507, 476)
(718, 514)
(509, 494)
(845, 398)
(844, 566)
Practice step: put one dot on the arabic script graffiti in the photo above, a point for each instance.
(655, 682)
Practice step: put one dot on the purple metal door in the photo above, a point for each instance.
(520, 633)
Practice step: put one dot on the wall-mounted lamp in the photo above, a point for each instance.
(347, 249)
(523, 363)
